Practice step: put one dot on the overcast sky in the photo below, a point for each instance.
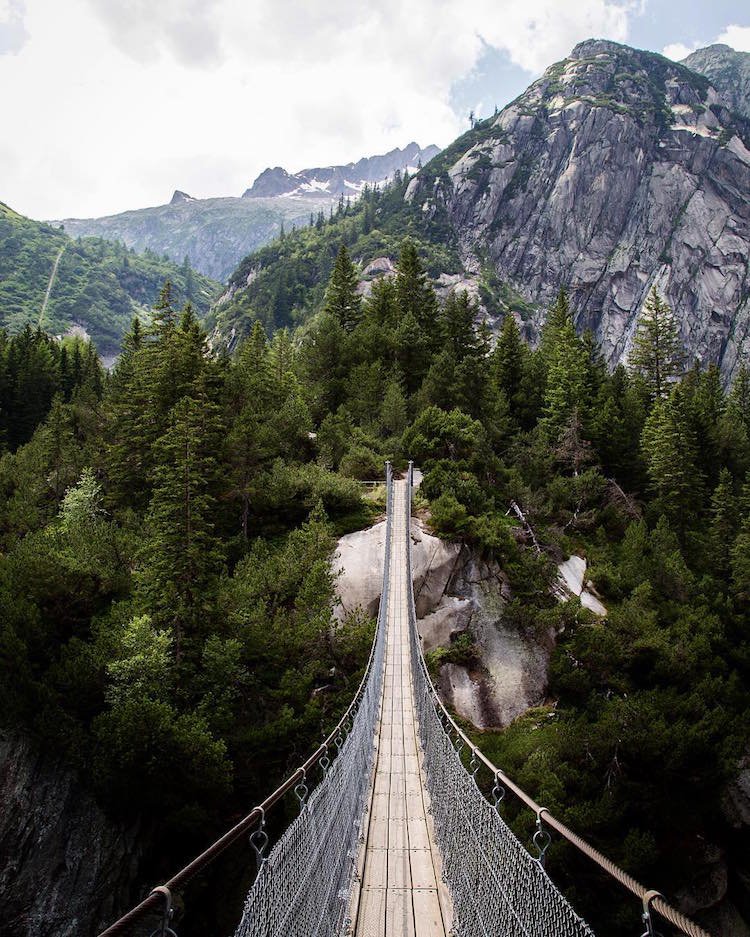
(112, 104)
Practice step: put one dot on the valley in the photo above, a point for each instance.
(549, 317)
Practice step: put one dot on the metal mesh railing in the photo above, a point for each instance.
(497, 888)
(303, 885)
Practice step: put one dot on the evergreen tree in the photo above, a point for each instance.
(181, 557)
(565, 386)
(411, 352)
(457, 329)
(164, 315)
(342, 299)
(723, 523)
(740, 563)
(414, 294)
(558, 321)
(738, 404)
(393, 414)
(508, 358)
(129, 433)
(670, 453)
(656, 352)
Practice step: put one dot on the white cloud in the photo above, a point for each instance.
(738, 37)
(13, 33)
(117, 103)
(678, 51)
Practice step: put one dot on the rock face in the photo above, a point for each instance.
(65, 870)
(728, 71)
(359, 562)
(511, 673)
(455, 593)
(572, 579)
(616, 171)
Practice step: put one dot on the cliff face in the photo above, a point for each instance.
(65, 869)
(616, 171)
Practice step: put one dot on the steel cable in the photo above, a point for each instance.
(454, 789)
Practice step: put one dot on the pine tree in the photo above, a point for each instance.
(342, 299)
(739, 397)
(456, 323)
(670, 453)
(708, 408)
(281, 366)
(180, 559)
(723, 528)
(130, 433)
(507, 358)
(393, 413)
(164, 315)
(740, 563)
(656, 352)
(565, 385)
(558, 320)
(60, 453)
(414, 294)
(411, 352)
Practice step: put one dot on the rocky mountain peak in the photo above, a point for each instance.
(270, 183)
(729, 73)
(180, 197)
(616, 171)
(346, 180)
(590, 48)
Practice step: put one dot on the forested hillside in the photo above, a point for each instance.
(282, 284)
(165, 590)
(51, 281)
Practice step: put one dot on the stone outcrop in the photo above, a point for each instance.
(455, 593)
(615, 172)
(359, 564)
(573, 581)
(65, 869)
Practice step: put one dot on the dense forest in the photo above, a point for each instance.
(165, 535)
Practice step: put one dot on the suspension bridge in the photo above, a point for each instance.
(394, 836)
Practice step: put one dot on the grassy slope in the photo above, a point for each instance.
(99, 285)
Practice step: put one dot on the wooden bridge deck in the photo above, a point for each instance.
(399, 893)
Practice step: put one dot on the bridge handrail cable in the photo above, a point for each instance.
(652, 899)
(155, 900)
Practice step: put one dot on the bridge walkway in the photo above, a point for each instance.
(399, 892)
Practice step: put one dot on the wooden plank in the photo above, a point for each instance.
(376, 868)
(427, 913)
(371, 916)
(399, 913)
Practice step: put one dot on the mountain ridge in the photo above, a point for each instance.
(216, 233)
(728, 71)
(345, 179)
